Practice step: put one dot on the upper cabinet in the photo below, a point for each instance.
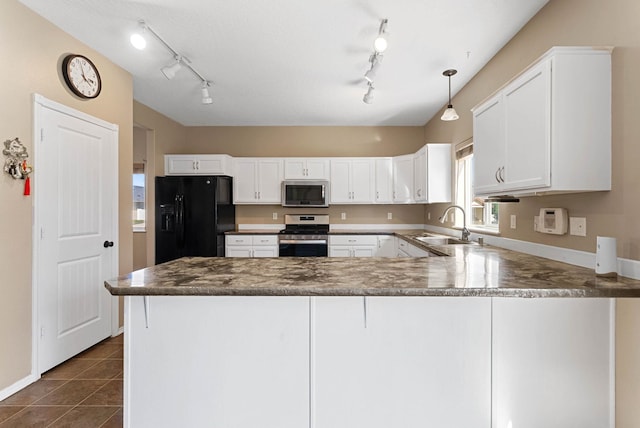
(403, 179)
(549, 129)
(352, 181)
(306, 168)
(384, 180)
(257, 181)
(197, 165)
(432, 174)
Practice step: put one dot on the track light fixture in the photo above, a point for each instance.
(379, 45)
(206, 97)
(375, 60)
(368, 97)
(139, 42)
(170, 70)
(450, 113)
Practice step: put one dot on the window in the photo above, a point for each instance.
(480, 214)
(139, 212)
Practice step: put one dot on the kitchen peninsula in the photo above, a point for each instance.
(332, 342)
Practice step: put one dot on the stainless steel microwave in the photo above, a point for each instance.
(305, 193)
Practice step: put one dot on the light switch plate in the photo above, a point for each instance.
(343, 216)
(578, 226)
(275, 216)
(389, 216)
(513, 221)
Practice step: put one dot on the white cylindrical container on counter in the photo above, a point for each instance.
(606, 257)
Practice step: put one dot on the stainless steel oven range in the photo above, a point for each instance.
(304, 235)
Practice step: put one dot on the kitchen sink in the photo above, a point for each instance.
(441, 240)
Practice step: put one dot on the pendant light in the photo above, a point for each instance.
(450, 113)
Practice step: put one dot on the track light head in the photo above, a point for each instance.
(170, 70)
(137, 39)
(206, 97)
(368, 97)
(380, 44)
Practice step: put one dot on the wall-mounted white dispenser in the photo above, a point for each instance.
(553, 220)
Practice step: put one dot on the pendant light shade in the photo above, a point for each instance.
(450, 113)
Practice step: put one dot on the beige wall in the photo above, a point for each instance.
(355, 214)
(303, 140)
(614, 213)
(32, 50)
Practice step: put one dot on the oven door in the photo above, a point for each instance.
(303, 248)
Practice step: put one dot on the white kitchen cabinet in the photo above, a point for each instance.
(257, 181)
(384, 180)
(251, 245)
(409, 250)
(553, 363)
(386, 246)
(403, 179)
(432, 174)
(197, 165)
(306, 169)
(216, 361)
(352, 181)
(381, 362)
(549, 129)
(353, 245)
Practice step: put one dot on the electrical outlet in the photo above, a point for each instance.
(275, 216)
(578, 226)
(343, 216)
(513, 221)
(389, 216)
(429, 216)
(536, 219)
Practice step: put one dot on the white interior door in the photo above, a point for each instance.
(75, 230)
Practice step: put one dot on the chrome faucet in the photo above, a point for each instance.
(465, 231)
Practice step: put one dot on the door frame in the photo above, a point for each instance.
(40, 102)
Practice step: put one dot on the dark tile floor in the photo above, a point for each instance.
(83, 392)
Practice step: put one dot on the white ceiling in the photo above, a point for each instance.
(296, 62)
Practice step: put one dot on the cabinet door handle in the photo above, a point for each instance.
(377, 195)
(194, 165)
(255, 195)
(502, 174)
(259, 197)
(197, 164)
(496, 175)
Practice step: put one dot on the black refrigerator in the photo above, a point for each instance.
(192, 215)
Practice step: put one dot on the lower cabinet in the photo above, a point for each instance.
(353, 245)
(251, 246)
(553, 363)
(214, 361)
(381, 362)
(406, 249)
(362, 246)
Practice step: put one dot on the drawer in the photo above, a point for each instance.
(265, 240)
(353, 240)
(239, 239)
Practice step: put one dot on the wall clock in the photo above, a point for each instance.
(82, 76)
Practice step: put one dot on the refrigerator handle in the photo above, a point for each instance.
(180, 220)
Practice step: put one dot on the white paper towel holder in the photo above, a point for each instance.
(606, 257)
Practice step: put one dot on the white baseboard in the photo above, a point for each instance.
(17, 386)
(626, 267)
(119, 332)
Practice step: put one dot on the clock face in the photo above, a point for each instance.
(81, 76)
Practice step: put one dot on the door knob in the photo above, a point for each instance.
(108, 244)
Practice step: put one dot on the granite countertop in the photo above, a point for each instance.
(468, 270)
